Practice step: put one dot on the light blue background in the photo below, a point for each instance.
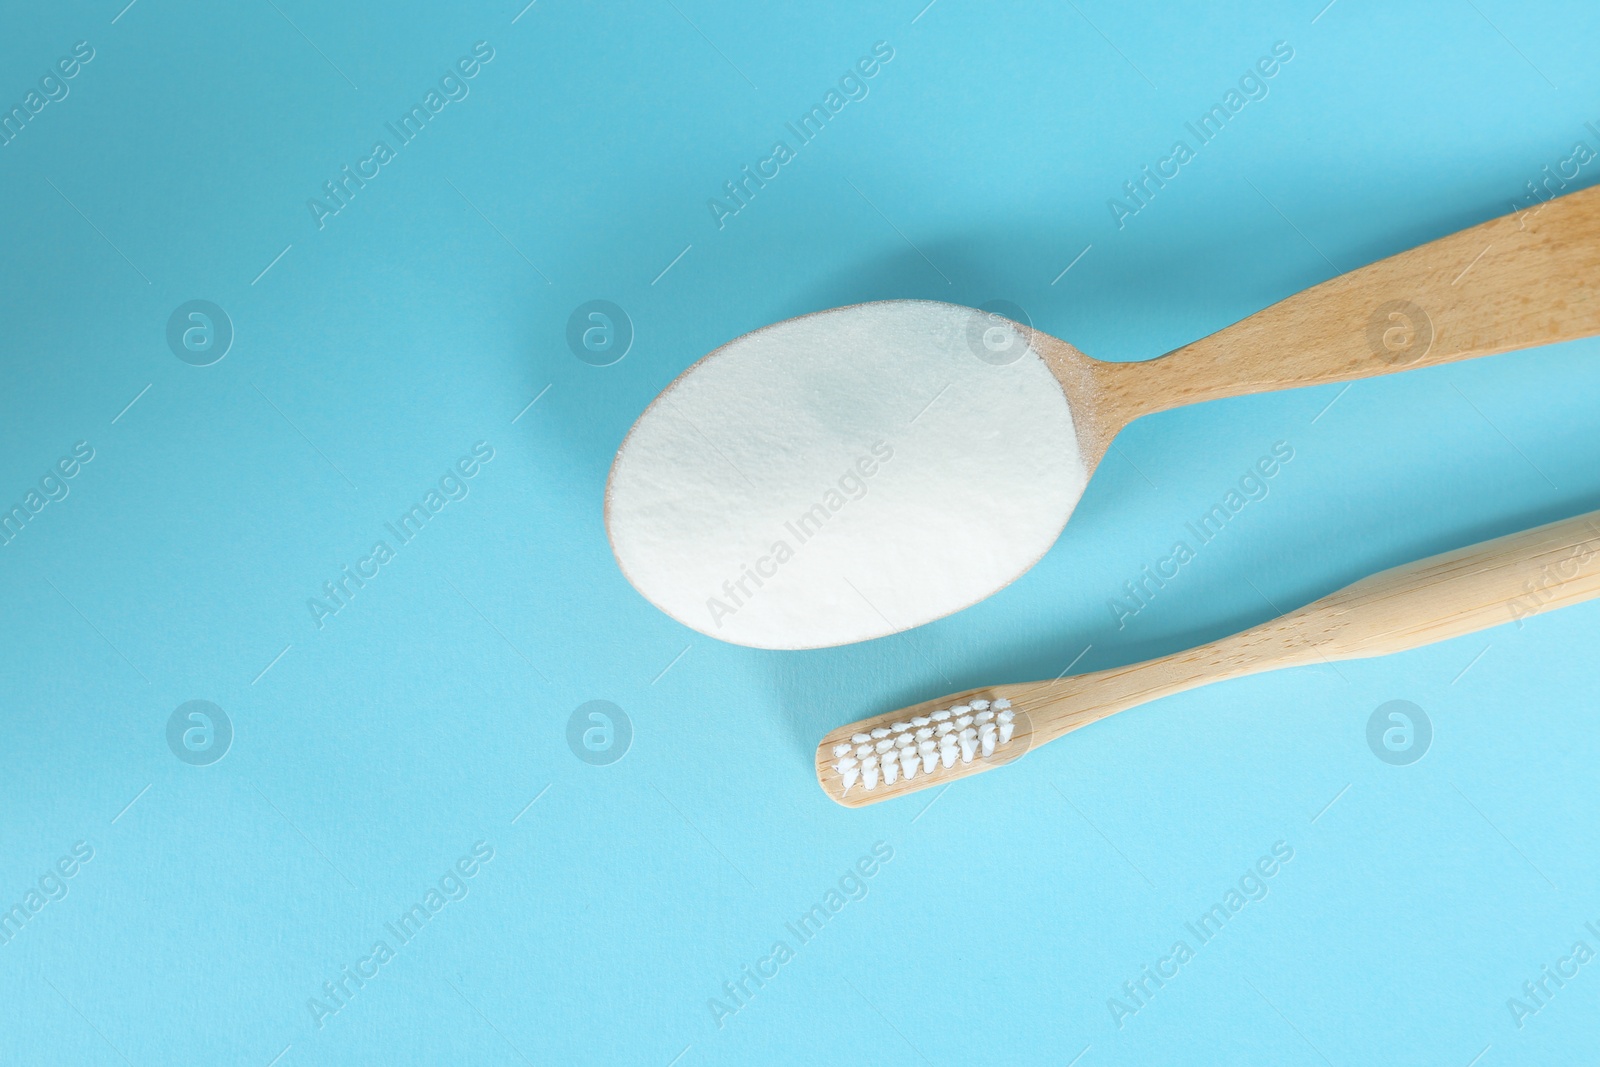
(427, 714)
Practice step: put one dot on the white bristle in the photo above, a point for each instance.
(925, 744)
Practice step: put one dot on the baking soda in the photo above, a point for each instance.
(843, 476)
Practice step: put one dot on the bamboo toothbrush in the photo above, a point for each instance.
(1444, 596)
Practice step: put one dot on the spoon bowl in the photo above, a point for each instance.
(847, 474)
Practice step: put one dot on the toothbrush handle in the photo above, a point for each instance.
(1529, 278)
(1434, 599)
(1457, 593)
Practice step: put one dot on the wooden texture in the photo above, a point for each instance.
(1494, 583)
(1530, 278)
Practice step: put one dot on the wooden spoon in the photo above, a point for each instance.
(760, 430)
(1449, 595)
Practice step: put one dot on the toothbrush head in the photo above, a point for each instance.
(928, 744)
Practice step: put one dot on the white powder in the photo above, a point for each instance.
(843, 476)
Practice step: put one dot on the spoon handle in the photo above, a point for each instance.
(1529, 278)
(1435, 599)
